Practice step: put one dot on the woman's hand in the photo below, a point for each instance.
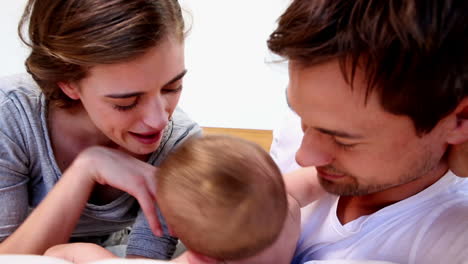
(114, 168)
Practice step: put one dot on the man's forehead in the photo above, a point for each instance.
(339, 111)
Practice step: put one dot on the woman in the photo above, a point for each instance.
(79, 138)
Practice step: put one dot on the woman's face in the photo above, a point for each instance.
(132, 102)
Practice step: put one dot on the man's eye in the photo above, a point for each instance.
(176, 90)
(343, 145)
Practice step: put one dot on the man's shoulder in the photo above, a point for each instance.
(443, 237)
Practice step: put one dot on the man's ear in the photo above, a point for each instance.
(459, 132)
(458, 138)
(458, 159)
(70, 89)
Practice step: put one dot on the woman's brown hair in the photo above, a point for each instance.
(67, 37)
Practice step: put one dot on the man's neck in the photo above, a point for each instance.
(352, 207)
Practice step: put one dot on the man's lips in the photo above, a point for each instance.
(329, 176)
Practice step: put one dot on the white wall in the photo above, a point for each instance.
(231, 80)
(12, 51)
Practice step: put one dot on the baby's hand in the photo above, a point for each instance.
(79, 252)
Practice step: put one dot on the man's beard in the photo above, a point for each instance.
(352, 187)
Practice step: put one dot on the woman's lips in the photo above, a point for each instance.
(323, 174)
(147, 138)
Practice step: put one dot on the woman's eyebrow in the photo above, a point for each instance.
(133, 94)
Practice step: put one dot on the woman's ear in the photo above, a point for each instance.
(70, 89)
(459, 132)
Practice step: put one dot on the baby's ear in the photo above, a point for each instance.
(196, 258)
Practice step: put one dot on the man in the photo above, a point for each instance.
(381, 89)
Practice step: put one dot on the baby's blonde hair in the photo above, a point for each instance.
(224, 197)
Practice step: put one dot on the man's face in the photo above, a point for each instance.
(357, 147)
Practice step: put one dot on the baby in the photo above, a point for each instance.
(226, 200)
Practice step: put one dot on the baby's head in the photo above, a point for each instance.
(224, 197)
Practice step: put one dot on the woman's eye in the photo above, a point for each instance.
(126, 107)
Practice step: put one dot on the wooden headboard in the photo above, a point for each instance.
(261, 137)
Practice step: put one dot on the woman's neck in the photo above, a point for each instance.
(74, 123)
(71, 131)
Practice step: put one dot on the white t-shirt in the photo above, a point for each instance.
(287, 137)
(429, 227)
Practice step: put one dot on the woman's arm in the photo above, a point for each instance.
(53, 221)
(79, 252)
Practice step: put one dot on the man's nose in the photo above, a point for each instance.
(315, 150)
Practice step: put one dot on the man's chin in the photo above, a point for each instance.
(341, 189)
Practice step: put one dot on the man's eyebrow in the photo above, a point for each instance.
(339, 134)
(129, 95)
(335, 133)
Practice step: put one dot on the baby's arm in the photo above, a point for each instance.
(79, 252)
(303, 185)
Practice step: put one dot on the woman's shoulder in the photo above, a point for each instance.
(21, 107)
(183, 125)
(20, 87)
(182, 119)
(180, 128)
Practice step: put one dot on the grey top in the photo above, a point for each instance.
(28, 171)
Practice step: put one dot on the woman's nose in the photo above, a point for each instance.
(156, 115)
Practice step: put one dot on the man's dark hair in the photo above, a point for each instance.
(413, 52)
